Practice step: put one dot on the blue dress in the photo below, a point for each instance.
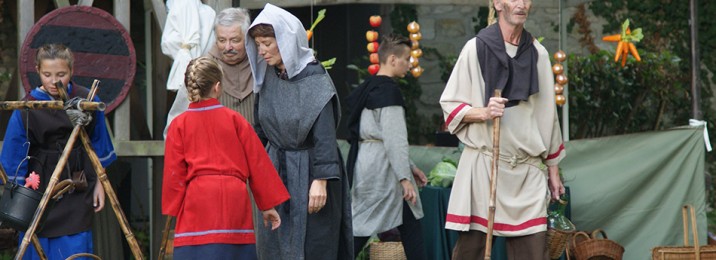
(67, 228)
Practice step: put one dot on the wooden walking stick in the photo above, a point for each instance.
(493, 179)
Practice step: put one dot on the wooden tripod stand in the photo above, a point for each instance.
(77, 131)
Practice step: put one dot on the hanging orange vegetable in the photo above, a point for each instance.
(321, 15)
(625, 43)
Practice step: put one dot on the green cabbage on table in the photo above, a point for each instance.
(443, 174)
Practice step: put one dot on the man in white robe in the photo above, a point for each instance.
(504, 56)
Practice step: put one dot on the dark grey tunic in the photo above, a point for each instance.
(296, 119)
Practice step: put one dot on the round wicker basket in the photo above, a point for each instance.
(598, 248)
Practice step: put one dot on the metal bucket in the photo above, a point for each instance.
(18, 205)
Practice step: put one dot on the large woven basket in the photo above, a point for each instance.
(387, 251)
(557, 242)
(596, 248)
(707, 252)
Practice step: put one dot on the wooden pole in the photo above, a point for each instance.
(112, 196)
(56, 105)
(79, 131)
(493, 180)
(102, 178)
(38, 247)
(3, 174)
(46, 195)
(165, 237)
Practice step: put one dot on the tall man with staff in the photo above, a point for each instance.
(504, 56)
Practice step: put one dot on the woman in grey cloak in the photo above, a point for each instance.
(297, 112)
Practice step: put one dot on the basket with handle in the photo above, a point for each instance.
(686, 251)
(597, 248)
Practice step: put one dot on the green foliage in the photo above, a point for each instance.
(665, 24)
(606, 99)
(664, 98)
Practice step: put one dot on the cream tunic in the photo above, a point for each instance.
(530, 138)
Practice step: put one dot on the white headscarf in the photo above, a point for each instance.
(291, 39)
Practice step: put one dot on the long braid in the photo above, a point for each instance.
(201, 75)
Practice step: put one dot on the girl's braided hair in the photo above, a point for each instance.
(201, 75)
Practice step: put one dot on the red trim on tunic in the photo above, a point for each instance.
(454, 113)
(556, 154)
(497, 226)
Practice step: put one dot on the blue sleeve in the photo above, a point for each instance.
(101, 143)
(13, 150)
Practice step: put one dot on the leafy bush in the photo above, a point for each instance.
(606, 99)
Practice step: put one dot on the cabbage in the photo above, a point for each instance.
(443, 174)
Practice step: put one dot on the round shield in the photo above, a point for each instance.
(101, 47)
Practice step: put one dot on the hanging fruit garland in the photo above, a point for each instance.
(625, 43)
(415, 51)
(559, 78)
(372, 37)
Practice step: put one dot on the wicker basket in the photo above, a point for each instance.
(557, 242)
(596, 248)
(685, 252)
(387, 251)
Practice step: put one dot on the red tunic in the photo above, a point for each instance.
(210, 154)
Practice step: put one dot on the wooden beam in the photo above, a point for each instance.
(139, 148)
(160, 12)
(218, 5)
(25, 20)
(85, 2)
(62, 3)
(122, 117)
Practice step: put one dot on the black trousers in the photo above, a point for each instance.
(411, 234)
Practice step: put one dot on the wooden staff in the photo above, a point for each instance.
(165, 237)
(112, 196)
(102, 178)
(493, 180)
(46, 196)
(3, 174)
(56, 105)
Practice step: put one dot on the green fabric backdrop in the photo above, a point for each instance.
(631, 186)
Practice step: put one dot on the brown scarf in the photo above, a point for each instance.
(237, 80)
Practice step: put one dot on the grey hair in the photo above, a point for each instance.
(233, 16)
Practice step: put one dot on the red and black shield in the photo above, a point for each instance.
(101, 47)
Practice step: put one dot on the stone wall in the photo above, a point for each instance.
(448, 27)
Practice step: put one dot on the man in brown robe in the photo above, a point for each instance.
(230, 53)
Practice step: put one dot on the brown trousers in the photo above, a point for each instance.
(471, 246)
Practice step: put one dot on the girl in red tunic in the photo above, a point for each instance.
(211, 154)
